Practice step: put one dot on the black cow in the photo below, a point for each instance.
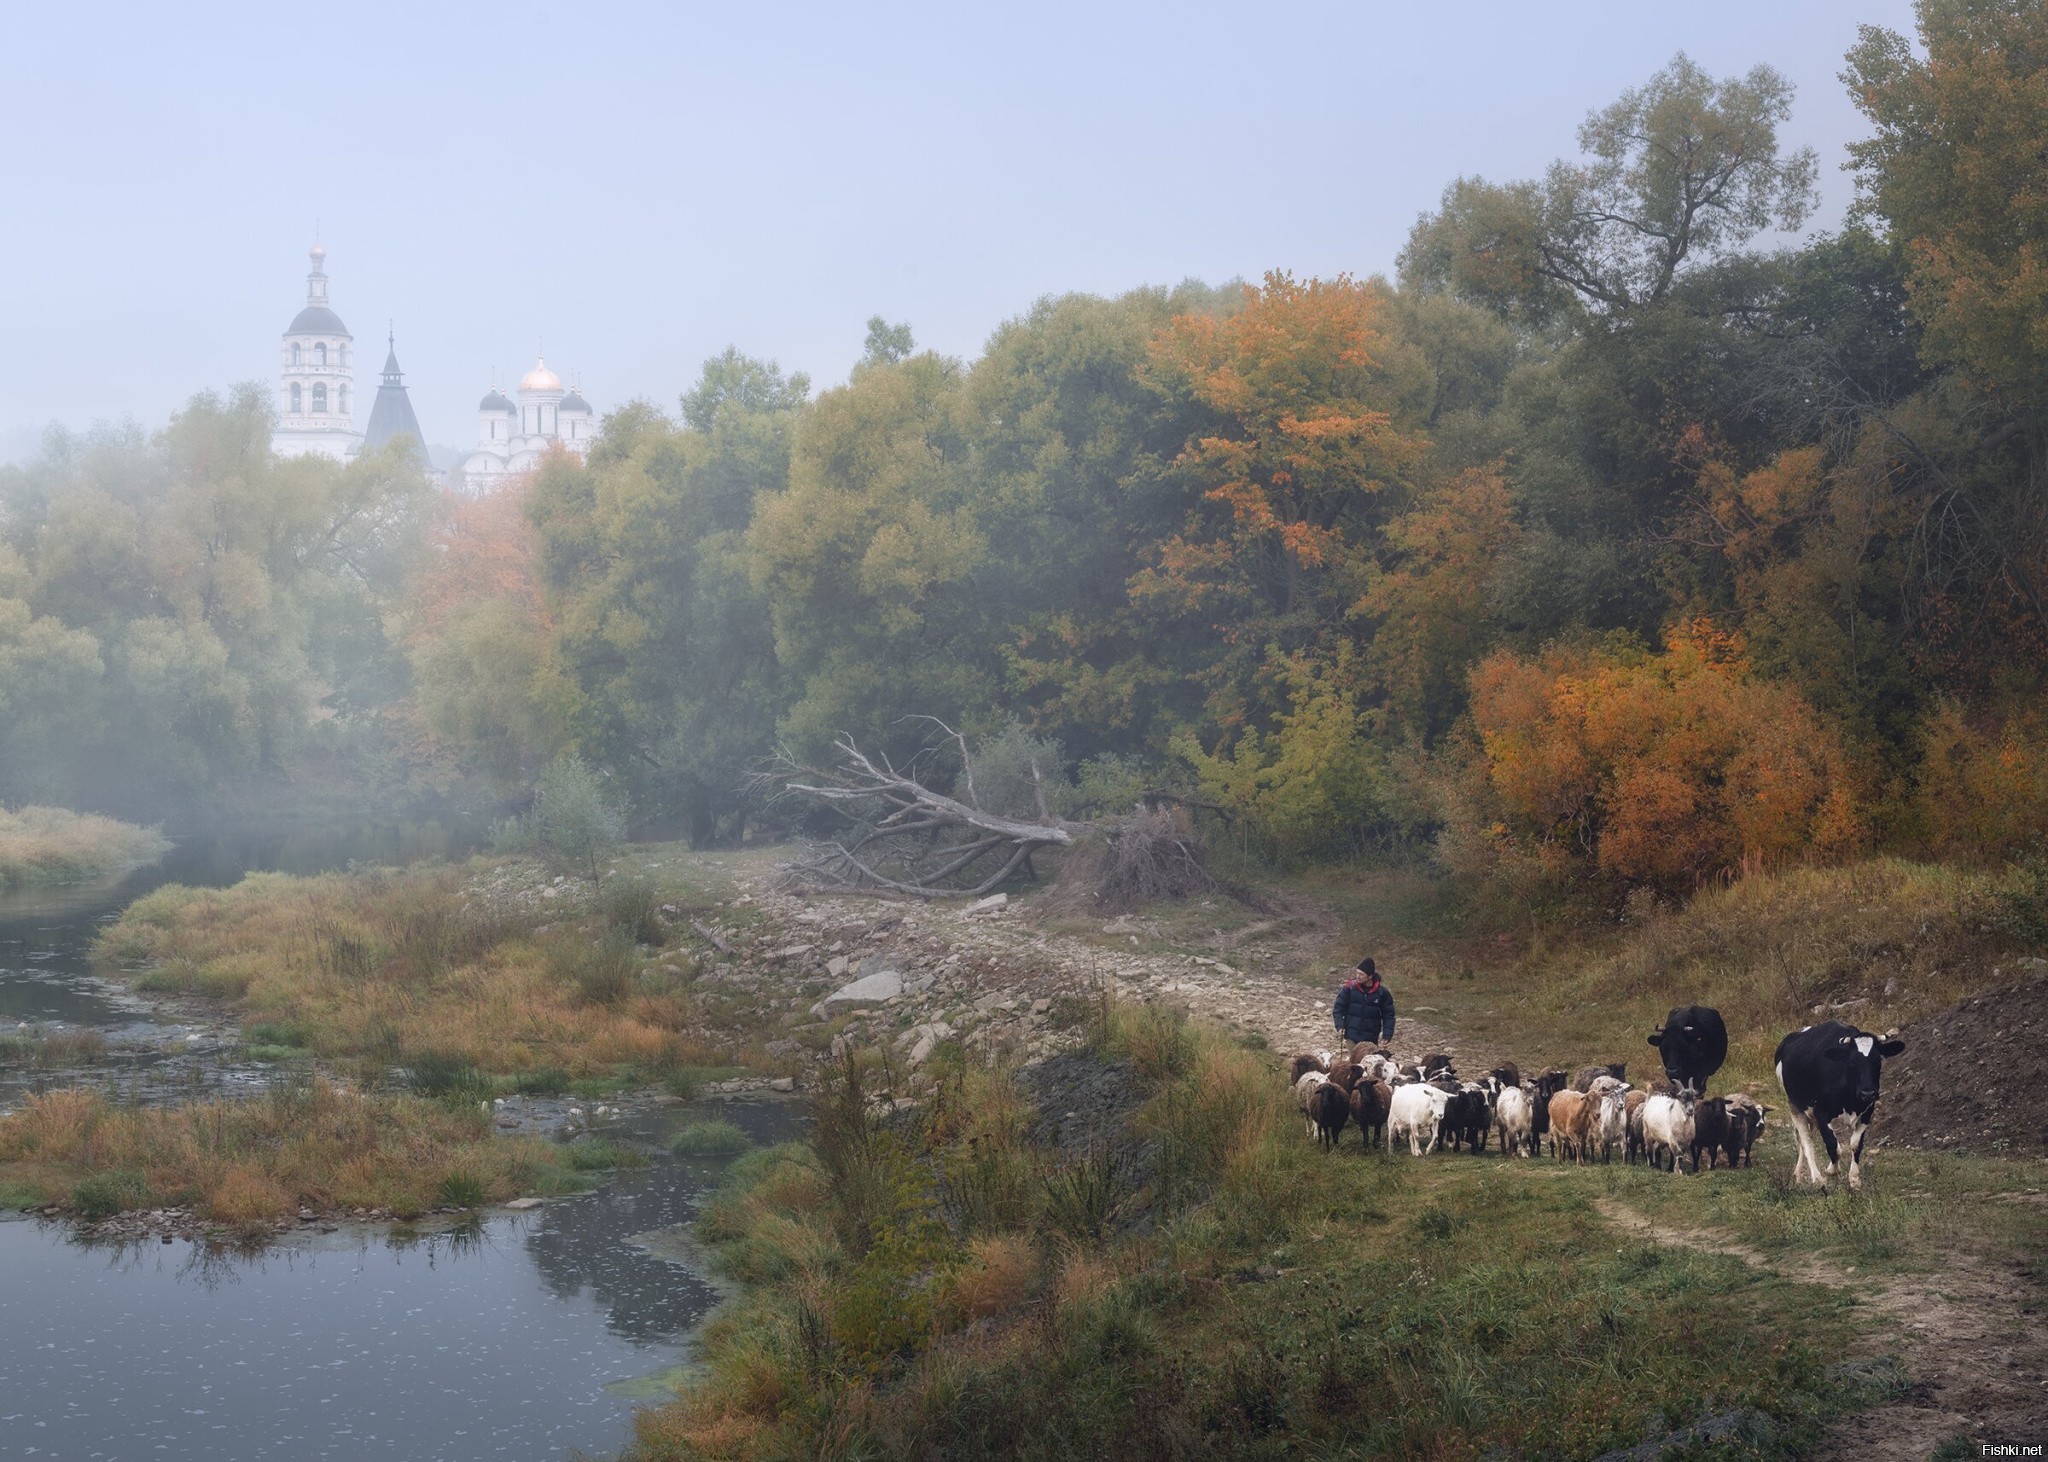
(1693, 1044)
(1828, 1070)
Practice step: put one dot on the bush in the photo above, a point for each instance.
(448, 1078)
(633, 908)
(600, 970)
(713, 1137)
(549, 1081)
(576, 822)
(595, 1154)
(103, 1195)
(461, 1190)
(1663, 769)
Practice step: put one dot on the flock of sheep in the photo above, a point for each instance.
(1428, 1105)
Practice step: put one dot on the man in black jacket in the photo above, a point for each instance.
(1365, 1008)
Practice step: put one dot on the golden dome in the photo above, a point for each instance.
(540, 378)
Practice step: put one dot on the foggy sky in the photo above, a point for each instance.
(640, 185)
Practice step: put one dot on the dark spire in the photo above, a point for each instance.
(391, 415)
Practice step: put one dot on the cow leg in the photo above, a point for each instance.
(1803, 1125)
(1827, 1135)
(1856, 1153)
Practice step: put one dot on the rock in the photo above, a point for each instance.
(990, 904)
(866, 992)
(782, 1083)
(922, 1049)
(1040, 1007)
(837, 966)
(794, 951)
(520, 1205)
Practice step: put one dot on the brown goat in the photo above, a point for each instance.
(1568, 1125)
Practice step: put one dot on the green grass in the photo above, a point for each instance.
(596, 1154)
(941, 1286)
(711, 1137)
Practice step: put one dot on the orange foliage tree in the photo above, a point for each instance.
(1308, 398)
(1657, 769)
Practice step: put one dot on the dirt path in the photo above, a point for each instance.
(1979, 1362)
(979, 963)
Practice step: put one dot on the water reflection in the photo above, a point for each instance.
(495, 1338)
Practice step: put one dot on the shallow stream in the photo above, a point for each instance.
(523, 1335)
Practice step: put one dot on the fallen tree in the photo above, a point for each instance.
(906, 837)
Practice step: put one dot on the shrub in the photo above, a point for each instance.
(576, 822)
(595, 1154)
(600, 971)
(549, 1081)
(633, 908)
(448, 1077)
(713, 1137)
(1657, 769)
(105, 1194)
(461, 1190)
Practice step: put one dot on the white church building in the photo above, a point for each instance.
(513, 437)
(316, 403)
(316, 400)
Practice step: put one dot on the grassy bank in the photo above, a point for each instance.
(1195, 1281)
(1887, 939)
(50, 845)
(305, 1145)
(418, 969)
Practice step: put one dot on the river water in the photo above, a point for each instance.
(527, 1335)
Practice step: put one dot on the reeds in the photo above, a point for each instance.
(310, 1144)
(51, 845)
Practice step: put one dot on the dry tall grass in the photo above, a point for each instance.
(239, 1162)
(1886, 940)
(385, 967)
(51, 845)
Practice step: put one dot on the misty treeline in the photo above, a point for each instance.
(1614, 539)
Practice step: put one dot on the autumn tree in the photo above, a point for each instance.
(1662, 769)
(1307, 422)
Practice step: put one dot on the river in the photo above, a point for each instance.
(529, 1335)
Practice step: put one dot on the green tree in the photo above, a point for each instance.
(1676, 173)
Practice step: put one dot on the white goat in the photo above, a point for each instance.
(1416, 1111)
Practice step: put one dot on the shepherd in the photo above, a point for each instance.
(1365, 1008)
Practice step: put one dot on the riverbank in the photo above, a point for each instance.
(304, 1151)
(45, 845)
(1530, 1308)
(1130, 1250)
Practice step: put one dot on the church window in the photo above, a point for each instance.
(342, 406)
(319, 397)
(295, 352)
(320, 354)
(295, 389)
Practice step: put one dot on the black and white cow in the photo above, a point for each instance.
(1693, 1044)
(1828, 1070)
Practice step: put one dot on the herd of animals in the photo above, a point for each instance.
(1826, 1071)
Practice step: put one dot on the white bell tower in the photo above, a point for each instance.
(316, 401)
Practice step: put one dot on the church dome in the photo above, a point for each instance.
(574, 402)
(540, 378)
(317, 320)
(496, 402)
